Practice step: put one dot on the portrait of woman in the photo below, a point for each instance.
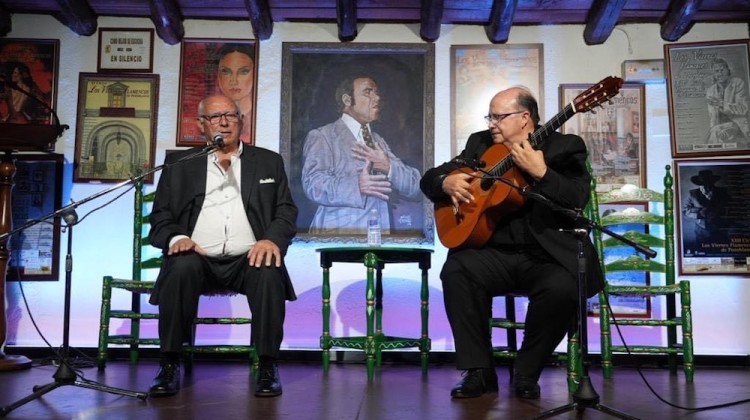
(225, 67)
(236, 79)
(19, 107)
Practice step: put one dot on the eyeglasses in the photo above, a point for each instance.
(496, 118)
(231, 117)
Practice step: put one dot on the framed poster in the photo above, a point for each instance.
(713, 217)
(478, 72)
(615, 135)
(35, 251)
(216, 66)
(328, 91)
(32, 67)
(708, 96)
(623, 306)
(115, 126)
(125, 50)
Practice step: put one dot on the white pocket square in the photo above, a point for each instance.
(267, 181)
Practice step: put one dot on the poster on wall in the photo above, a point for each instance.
(216, 66)
(478, 72)
(713, 216)
(615, 135)
(709, 104)
(115, 126)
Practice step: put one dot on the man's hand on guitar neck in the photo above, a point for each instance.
(457, 186)
(529, 160)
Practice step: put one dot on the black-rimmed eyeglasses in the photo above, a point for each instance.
(231, 117)
(496, 118)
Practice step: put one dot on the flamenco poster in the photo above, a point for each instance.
(28, 71)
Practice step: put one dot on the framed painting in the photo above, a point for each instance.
(478, 72)
(125, 50)
(341, 171)
(115, 126)
(623, 306)
(713, 219)
(37, 193)
(216, 66)
(30, 70)
(708, 86)
(615, 135)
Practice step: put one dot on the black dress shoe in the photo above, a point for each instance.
(525, 387)
(268, 383)
(475, 383)
(167, 381)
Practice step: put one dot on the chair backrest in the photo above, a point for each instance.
(143, 252)
(641, 215)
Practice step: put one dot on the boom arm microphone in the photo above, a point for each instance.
(218, 140)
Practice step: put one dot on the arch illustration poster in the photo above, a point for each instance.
(115, 127)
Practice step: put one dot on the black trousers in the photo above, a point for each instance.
(472, 277)
(185, 276)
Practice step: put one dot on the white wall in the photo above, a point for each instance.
(102, 241)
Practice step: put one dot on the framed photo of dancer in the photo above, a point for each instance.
(708, 86)
(479, 71)
(37, 193)
(615, 135)
(32, 67)
(328, 91)
(116, 126)
(713, 218)
(216, 66)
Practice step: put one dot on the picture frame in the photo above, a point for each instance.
(623, 306)
(32, 64)
(615, 135)
(404, 75)
(125, 50)
(115, 127)
(478, 72)
(704, 122)
(37, 193)
(713, 234)
(216, 66)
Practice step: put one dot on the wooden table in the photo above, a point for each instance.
(375, 259)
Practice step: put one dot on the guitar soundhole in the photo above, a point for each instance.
(486, 183)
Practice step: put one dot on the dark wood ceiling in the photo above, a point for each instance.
(676, 17)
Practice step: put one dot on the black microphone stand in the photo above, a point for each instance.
(65, 375)
(585, 395)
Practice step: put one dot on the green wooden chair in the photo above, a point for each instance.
(139, 289)
(651, 225)
(513, 327)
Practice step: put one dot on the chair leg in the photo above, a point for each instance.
(575, 361)
(687, 330)
(104, 317)
(606, 334)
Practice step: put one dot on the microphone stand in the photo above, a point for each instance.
(585, 395)
(65, 375)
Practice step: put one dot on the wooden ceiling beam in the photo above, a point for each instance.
(601, 20)
(501, 19)
(260, 18)
(346, 18)
(167, 19)
(679, 19)
(77, 15)
(432, 17)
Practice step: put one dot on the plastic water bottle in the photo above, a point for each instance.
(373, 228)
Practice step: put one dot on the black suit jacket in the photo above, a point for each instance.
(265, 193)
(567, 182)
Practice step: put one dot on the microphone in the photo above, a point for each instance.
(218, 140)
(474, 164)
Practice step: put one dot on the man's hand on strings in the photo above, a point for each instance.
(457, 187)
(529, 160)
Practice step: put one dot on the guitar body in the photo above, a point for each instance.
(472, 224)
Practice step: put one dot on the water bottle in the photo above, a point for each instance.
(373, 228)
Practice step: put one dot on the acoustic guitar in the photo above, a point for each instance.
(472, 224)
